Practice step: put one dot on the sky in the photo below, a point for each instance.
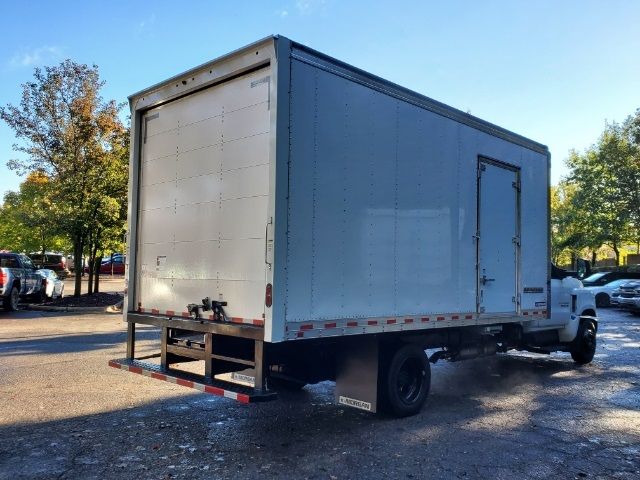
(553, 71)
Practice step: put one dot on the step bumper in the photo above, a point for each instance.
(216, 387)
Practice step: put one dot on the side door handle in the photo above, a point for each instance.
(486, 280)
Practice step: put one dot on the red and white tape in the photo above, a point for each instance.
(240, 397)
(258, 322)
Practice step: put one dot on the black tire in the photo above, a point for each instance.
(405, 381)
(11, 302)
(41, 296)
(603, 300)
(584, 345)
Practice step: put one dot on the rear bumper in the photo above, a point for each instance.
(216, 387)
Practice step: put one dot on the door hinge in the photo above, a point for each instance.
(516, 240)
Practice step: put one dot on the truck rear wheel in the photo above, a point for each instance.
(11, 302)
(405, 381)
(584, 346)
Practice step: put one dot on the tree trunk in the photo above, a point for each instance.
(91, 264)
(617, 252)
(96, 280)
(77, 261)
(90, 279)
(594, 255)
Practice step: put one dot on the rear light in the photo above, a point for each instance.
(63, 264)
(3, 278)
(268, 295)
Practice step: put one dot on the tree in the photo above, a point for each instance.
(29, 219)
(68, 133)
(606, 179)
(109, 202)
(566, 241)
(630, 173)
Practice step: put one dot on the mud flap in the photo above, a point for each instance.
(357, 374)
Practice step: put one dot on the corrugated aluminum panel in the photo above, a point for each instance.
(382, 204)
(203, 202)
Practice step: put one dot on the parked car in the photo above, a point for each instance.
(603, 293)
(614, 300)
(617, 293)
(106, 267)
(118, 265)
(602, 278)
(629, 297)
(18, 280)
(51, 261)
(53, 285)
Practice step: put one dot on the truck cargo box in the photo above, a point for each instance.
(311, 199)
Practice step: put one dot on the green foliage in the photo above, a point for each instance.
(566, 239)
(29, 218)
(599, 202)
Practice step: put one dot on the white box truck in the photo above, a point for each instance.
(294, 219)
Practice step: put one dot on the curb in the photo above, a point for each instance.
(117, 308)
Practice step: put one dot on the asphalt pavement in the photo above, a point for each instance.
(65, 414)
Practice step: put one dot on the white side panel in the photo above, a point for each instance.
(383, 208)
(204, 189)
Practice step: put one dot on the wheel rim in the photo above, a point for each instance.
(410, 381)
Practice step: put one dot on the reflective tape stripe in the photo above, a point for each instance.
(258, 322)
(240, 397)
(375, 325)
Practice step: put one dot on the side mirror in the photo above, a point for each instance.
(583, 267)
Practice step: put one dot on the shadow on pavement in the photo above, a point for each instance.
(504, 417)
(71, 342)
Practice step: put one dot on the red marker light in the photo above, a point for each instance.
(268, 295)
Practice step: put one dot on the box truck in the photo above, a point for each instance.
(293, 219)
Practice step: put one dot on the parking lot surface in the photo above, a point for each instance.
(65, 414)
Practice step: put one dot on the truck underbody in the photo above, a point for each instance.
(378, 372)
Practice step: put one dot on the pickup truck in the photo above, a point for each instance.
(18, 279)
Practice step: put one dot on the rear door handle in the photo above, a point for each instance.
(268, 243)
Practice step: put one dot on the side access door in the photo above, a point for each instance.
(498, 235)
